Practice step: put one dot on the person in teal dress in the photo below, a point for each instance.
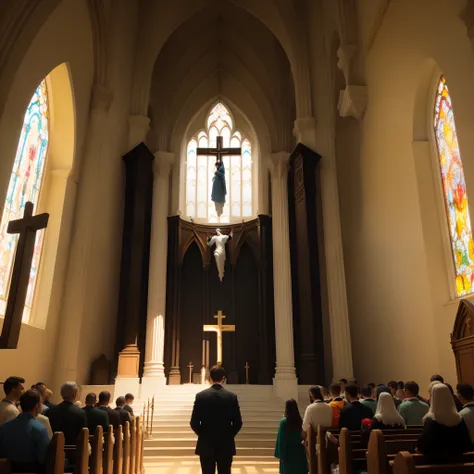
(289, 445)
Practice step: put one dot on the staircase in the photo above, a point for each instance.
(171, 448)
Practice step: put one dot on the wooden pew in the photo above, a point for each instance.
(118, 451)
(126, 449)
(81, 452)
(97, 443)
(133, 446)
(55, 456)
(405, 464)
(108, 457)
(5, 466)
(311, 442)
(140, 440)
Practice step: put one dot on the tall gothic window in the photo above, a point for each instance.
(200, 171)
(454, 189)
(25, 185)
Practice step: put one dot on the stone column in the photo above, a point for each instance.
(285, 382)
(323, 143)
(154, 374)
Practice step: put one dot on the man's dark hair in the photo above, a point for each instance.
(382, 389)
(335, 389)
(316, 393)
(366, 391)
(371, 385)
(41, 383)
(29, 400)
(466, 391)
(217, 373)
(104, 397)
(437, 378)
(11, 383)
(393, 384)
(129, 396)
(344, 381)
(91, 398)
(352, 390)
(413, 388)
(120, 402)
(401, 385)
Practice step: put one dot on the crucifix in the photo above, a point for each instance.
(219, 328)
(247, 367)
(219, 151)
(27, 228)
(190, 367)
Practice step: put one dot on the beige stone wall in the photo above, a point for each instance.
(398, 266)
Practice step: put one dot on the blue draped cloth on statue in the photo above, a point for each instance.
(219, 189)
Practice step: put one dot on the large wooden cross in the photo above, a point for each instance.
(219, 328)
(27, 228)
(219, 151)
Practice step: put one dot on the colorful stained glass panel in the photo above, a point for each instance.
(454, 188)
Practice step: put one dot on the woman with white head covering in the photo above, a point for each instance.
(444, 431)
(386, 415)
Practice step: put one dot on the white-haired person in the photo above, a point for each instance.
(444, 431)
(386, 415)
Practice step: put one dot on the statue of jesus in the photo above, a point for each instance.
(219, 240)
(219, 189)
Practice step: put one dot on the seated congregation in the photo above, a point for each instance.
(379, 430)
(37, 436)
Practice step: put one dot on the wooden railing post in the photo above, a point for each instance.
(133, 445)
(118, 450)
(109, 452)
(96, 458)
(126, 448)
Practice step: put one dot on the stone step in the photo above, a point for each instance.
(254, 424)
(241, 442)
(186, 431)
(262, 462)
(150, 452)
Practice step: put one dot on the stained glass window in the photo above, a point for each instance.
(454, 189)
(200, 171)
(25, 185)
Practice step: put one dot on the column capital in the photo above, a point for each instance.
(101, 97)
(304, 130)
(138, 127)
(163, 163)
(278, 164)
(353, 102)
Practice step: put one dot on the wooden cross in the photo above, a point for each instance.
(27, 228)
(247, 367)
(219, 151)
(219, 328)
(190, 367)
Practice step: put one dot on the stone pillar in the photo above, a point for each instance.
(285, 382)
(138, 127)
(154, 374)
(341, 348)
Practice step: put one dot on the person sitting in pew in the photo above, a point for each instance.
(367, 398)
(104, 400)
(24, 440)
(353, 413)
(466, 396)
(337, 403)
(412, 408)
(124, 415)
(386, 417)
(129, 398)
(95, 417)
(318, 413)
(444, 431)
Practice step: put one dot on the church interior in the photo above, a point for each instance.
(344, 247)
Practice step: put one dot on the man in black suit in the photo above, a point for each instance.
(104, 400)
(354, 412)
(216, 419)
(124, 415)
(66, 416)
(95, 417)
(128, 403)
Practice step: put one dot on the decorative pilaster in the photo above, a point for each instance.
(154, 374)
(341, 347)
(285, 381)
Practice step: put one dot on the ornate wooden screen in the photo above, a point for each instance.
(462, 340)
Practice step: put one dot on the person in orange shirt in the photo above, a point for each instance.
(337, 403)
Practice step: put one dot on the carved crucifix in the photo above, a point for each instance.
(219, 151)
(219, 328)
(27, 228)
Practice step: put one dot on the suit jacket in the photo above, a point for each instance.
(129, 409)
(95, 418)
(216, 419)
(353, 414)
(69, 419)
(114, 417)
(124, 416)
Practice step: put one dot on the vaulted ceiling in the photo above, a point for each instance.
(223, 52)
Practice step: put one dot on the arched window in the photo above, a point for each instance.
(454, 189)
(25, 185)
(200, 171)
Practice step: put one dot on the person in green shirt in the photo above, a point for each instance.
(289, 447)
(412, 408)
(367, 398)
